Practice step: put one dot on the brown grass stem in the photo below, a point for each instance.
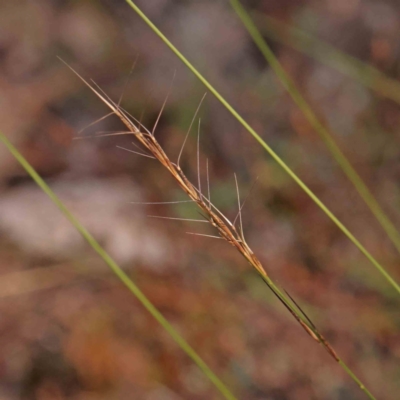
(226, 231)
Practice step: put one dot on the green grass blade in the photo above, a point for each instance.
(225, 392)
(337, 154)
(272, 153)
(329, 55)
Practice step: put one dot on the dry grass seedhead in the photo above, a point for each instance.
(211, 214)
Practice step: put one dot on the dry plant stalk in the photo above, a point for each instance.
(225, 228)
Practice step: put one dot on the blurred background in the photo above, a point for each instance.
(68, 328)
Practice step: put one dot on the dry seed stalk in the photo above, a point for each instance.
(215, 217)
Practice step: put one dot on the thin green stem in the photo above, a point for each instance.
(116, 269)
(301, 102)
(359, 383)
(329, 55)
(293, 308)
(272, 153)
